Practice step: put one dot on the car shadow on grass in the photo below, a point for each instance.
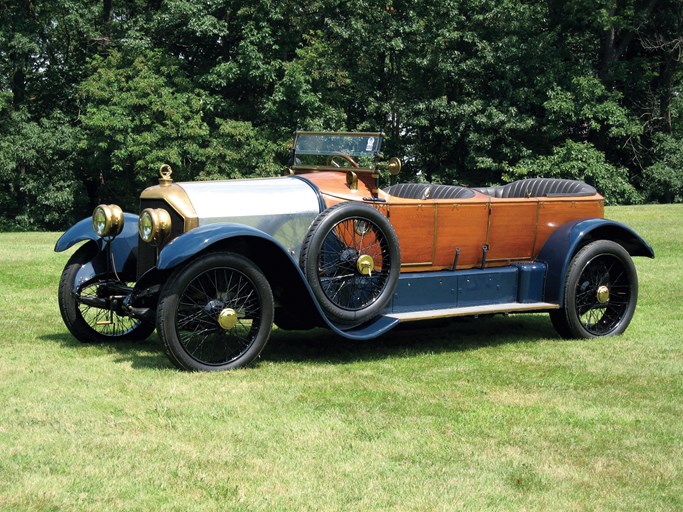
(140, 354)
(409, 340)
(321, 346)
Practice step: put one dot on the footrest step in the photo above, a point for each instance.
(509, 307)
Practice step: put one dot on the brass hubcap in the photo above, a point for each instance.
(603, 294)
(227, 319)
(365, 264)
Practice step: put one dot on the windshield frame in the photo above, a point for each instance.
(366, 145)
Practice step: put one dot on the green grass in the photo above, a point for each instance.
(486, 414)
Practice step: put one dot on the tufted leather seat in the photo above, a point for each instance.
(540, 187)
(428, 191)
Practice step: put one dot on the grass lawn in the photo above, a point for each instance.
(480, 414)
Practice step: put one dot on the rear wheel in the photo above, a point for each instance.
(600, 294)
(216, 313)
(87, 322)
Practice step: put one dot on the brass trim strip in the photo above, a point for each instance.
(423, 264)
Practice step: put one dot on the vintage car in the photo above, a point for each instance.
(212, 265)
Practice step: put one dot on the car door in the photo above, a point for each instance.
(414, 223)
(461, 233)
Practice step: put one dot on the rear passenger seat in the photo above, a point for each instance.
(540, 187)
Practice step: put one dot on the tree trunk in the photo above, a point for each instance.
(614, 44)
(19, 82)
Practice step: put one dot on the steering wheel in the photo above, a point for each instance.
(331, 160)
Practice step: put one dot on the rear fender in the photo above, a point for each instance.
(568, 239)
(123, 249)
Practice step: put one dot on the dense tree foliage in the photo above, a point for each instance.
(95, 95)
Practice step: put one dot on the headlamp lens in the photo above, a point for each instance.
(146, 226)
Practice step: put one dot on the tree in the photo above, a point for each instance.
(40, 164)
(96, 95)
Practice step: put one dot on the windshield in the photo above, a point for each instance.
(352, 150)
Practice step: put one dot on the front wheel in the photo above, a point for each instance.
(600, 293)
(216, 313)
(86, 321)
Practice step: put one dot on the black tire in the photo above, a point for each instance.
(90, 324)
(600, 294)
(330, 258)
(189, 305)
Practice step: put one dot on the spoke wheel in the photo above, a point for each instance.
(216, 313)
(351, 260)
(600, 294)
(88, 323)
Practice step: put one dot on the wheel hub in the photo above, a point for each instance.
(227, 319)
(602, 294)
(365, 264)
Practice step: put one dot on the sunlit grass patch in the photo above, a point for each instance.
(477, 414)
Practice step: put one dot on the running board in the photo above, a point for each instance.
(509, 307)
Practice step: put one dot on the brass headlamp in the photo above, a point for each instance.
(107, 220)
(154, 225)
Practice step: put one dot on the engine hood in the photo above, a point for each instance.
(250, 201)
(282, 207)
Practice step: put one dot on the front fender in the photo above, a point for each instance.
(123, 249)
(273, 259)
(83, 230)
(184, 247)
(565, 242)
